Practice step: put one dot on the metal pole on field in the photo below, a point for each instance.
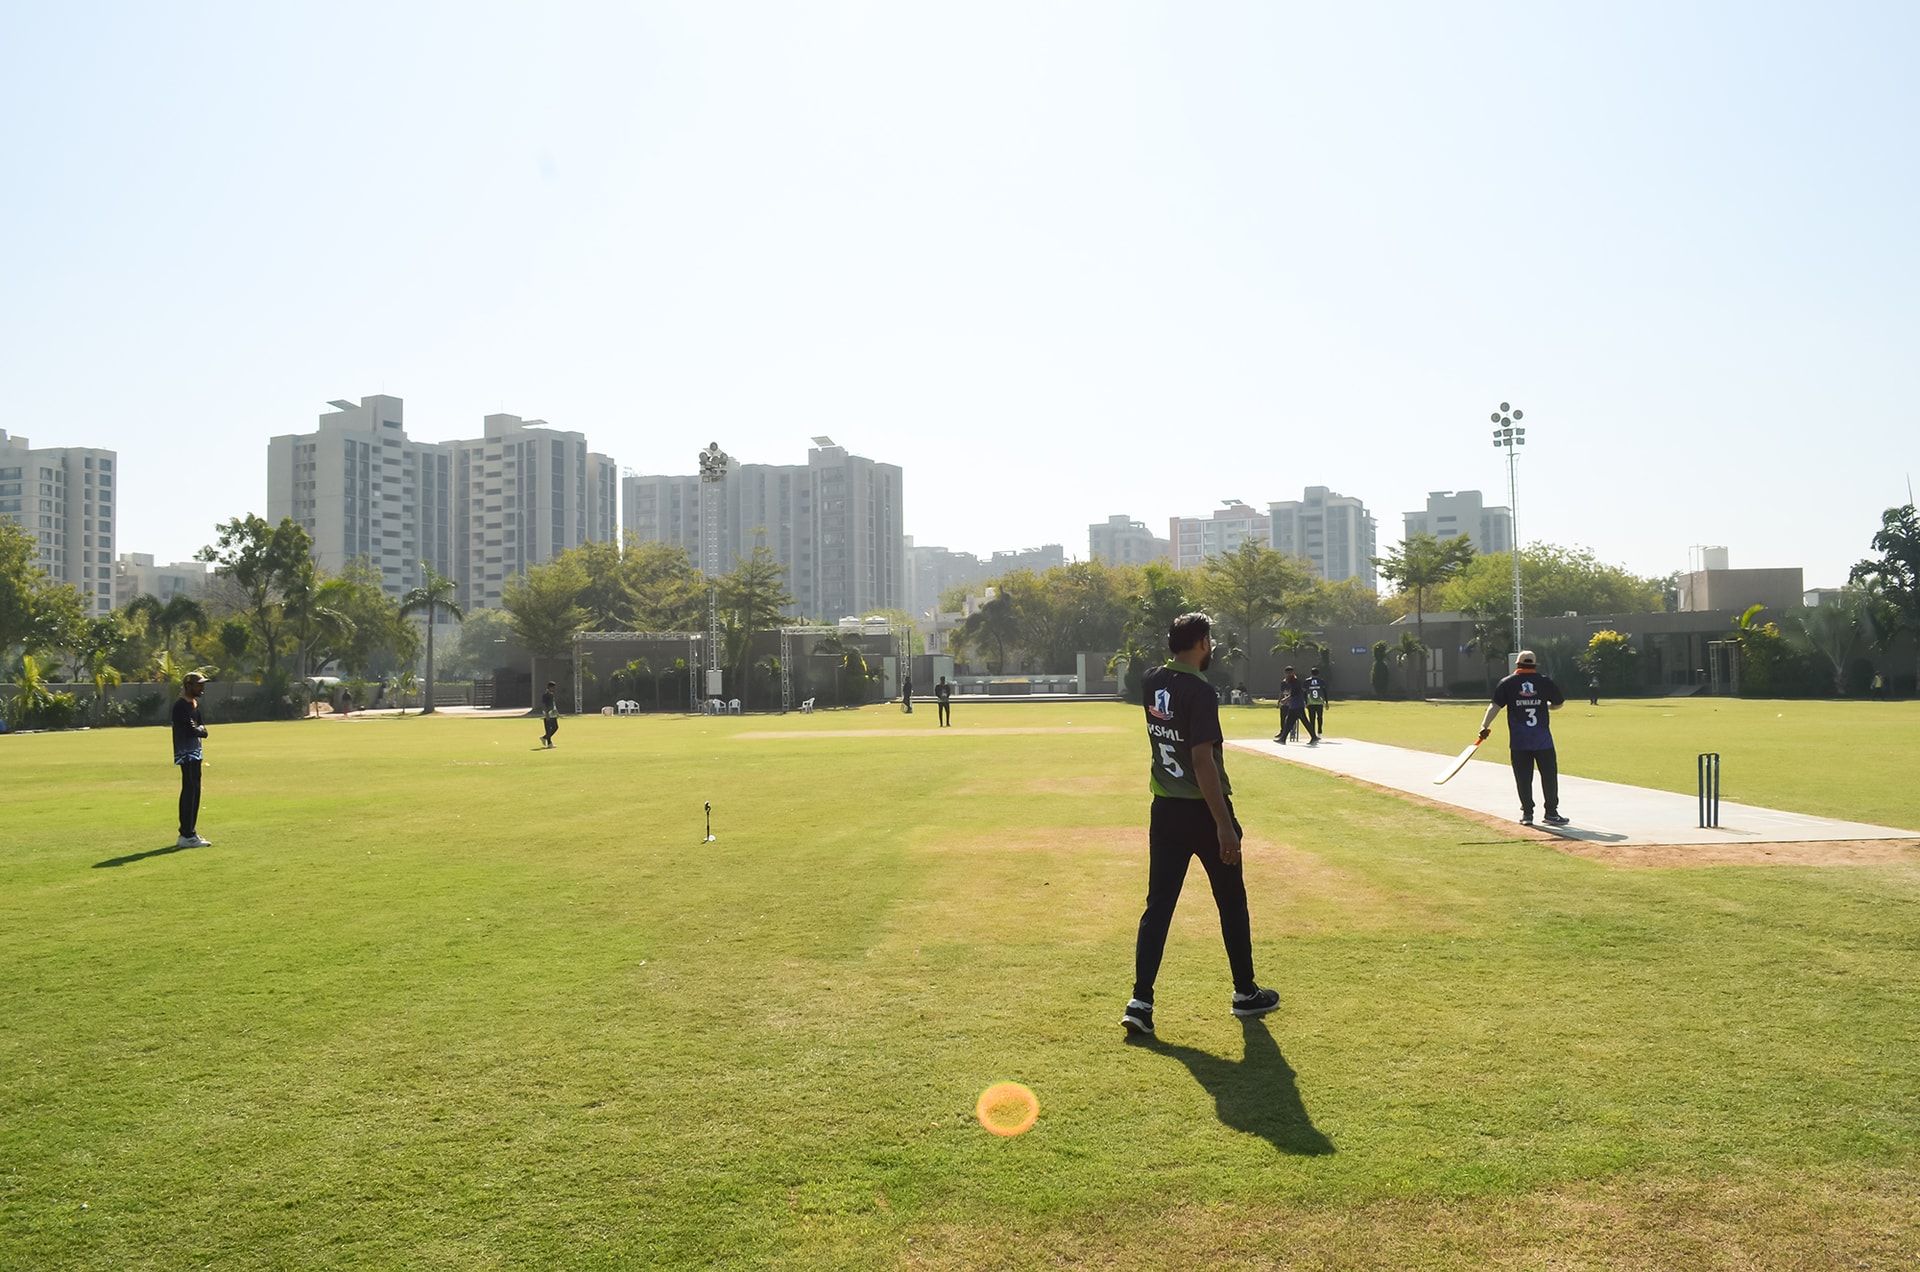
(1508, 436)
(713, 476)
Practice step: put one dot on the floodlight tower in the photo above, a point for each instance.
(1509, 436)
(713, 475)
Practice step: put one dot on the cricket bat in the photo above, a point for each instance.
(1459, 762)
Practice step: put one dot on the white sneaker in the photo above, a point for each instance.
(186, 841)
(195, 842)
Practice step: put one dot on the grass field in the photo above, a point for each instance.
(436, 999)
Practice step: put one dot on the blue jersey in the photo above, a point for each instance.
(1527, 695)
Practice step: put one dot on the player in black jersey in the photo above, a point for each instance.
(1192, 817)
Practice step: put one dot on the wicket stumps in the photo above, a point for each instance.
(1708, 771)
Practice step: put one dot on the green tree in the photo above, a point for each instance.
(100, 639)
(1612, 660)
(264, 562)
(1554, 580)
(1420, 566)
(754, 598)
(1838, 630)
(311, 607)
(668, 593)
(1894, 578)
(1253, 585)
(434, 596)
(20, 582)
(990, 630)
(544, 607)
(1348, 603)
(1492, 638)
(1378, 675)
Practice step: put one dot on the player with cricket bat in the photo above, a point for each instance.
(1529, 697)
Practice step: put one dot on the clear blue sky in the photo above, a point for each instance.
(1057, 261)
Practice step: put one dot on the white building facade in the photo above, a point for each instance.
(1331, 531)
(66, 498)
(135, 574)
(1120, 540)
(1191, 540)
(836, 523)
(477, 511)
(1462, 514)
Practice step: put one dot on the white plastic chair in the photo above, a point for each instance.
(807, 706)
(733, 706)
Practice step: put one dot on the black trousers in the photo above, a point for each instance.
(1548, 762)
(553, 727)
(190, 798)
(946, 712)
(1317, 718)
(1178, 831)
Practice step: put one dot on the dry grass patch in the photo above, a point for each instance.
(1814, 1220)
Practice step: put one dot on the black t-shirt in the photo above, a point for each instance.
(1182, 713)
(546, 703)
(187, 729)
(942, 690)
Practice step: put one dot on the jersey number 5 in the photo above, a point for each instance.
(1168, 762)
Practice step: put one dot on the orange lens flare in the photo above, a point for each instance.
(1007, 1108)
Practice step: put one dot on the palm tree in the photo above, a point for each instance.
(179, 611)
(434, 594)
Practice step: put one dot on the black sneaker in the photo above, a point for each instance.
(1526, 817)
(1139, 1018)
(1258, 1003)
(1555, 819)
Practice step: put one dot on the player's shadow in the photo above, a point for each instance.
(139, 856)
(1256, 1093)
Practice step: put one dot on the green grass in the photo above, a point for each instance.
(437, 1000)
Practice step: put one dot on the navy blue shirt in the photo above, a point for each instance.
(1527, 695)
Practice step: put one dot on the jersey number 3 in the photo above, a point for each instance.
(1168, 762)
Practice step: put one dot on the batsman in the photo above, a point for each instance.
(1529, 697)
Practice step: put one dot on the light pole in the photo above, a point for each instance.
(713, 472)
(1509, 436)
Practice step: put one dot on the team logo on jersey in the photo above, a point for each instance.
(1162, 706)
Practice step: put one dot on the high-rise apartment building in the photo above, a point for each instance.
(1124, 541)
(1461, 514)
(366, 491)
(1332, 531)
(64, 497)
(135, 574)
(523, 494)
(1191, 540)
(478, 511)
(835, 523)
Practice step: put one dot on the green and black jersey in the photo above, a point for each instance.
(1182, 713)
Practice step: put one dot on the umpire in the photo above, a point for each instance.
(1192, 817)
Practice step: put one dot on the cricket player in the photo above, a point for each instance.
(1529, 698)
(188, 735)
(1192, 817)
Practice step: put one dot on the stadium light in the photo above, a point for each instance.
(1509, 436)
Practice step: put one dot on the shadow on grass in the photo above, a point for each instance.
(1256, 1093)
(139, 856)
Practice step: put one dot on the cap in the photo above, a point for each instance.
(193, 678)
(1525, 659)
